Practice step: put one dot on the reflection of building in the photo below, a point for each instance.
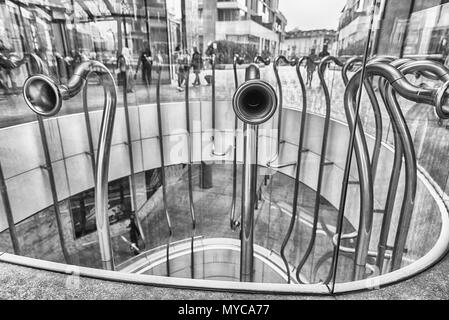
(61, 31)
(299, 43)
(353, 27)
(415, 27)
(255, 23)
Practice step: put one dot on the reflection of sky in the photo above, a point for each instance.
(308, 14)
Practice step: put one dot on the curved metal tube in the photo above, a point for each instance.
(51, 104)
(276, 62)
(161, 153)
(392, 189)
(376, 111)
(212, 138)
(260, 59)
(435, 70)
(298, 164)
(234, 223)
(321, 68)
(189, 173)
(396, 169)
(402, 86)
(130, 150)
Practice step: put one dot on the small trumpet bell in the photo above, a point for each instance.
(255, 102)
(42, 95)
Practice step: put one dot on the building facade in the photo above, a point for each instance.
(255, 24)
(353, 27)
(299, 43)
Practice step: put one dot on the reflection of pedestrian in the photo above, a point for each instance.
(324, 54)
(6, 69)
(124, 63)
(146, 61)
(311, 67)
(180, 70)
(197, 65)
(134, 233)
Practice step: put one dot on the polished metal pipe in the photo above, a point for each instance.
(235, 223)
(298, 63)
(276, 62)
(8, 214)
(162, 159)
(45, 97)
(401, 85)
(433, 70)
(376, 111)
(130, 156)
(189, 174)
(396, 169)
(254, 103)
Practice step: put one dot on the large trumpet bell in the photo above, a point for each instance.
(255, 102)
(42, 95)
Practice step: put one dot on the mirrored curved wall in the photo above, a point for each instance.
(335, 202)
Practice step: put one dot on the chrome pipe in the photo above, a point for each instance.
(396, 169)
(189, 174)
(402, 86)
(8, 213)
(362, 157)
(45, 97)
(276, 62)
(433, 70)
(162, 159)
(262, 60)
(235, 223)
(89, 132)
(298, 63)
(392, 189)
(254, 103)
(376, 111)
(130, 156)
(366, 203)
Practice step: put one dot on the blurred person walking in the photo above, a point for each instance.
(311, 67)
(197, 65)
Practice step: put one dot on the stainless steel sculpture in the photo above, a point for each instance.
(45, 97)
(279, 141)
(235, 223)
(162, 159)
(254, 103)
(189, 173)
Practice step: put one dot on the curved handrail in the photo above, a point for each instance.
(212, 138)
(161, 154)
(189, 173)
(234, 223)
(276, 62)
